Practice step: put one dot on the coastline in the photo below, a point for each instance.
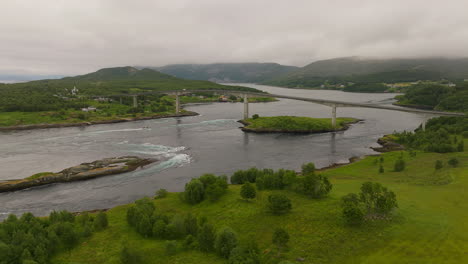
(100, 122)
(84, 171)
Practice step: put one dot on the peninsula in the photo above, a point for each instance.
(84, 171)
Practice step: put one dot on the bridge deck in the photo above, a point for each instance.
(312, 100)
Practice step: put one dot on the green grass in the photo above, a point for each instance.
(428, 227)
(40, 174)
(295, 123)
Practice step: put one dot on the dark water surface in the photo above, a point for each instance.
(188, 147)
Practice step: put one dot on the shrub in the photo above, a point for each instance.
(377, 198)
(190, 224)
(438, 165)
(461, 146)
(248, 191)
(159, 229)
(381, 169)
(129, 256)
(453, 162)
(214, 192)
(161, 193)
(194, 191)
(399, 165)
(465, 134)
(352, 211)
(226, 241)
(308, 168)
(100, 222)
(248, 254)
(171, 248)
(255, 116)
(279, 204)
(280, 238)
(206, 238)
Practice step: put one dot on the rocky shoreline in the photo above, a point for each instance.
(387, 145)
(59, 125)
(84, 171)
(264, 130)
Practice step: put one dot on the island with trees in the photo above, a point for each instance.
(295, 124)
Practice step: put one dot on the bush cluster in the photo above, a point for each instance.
(374, 200)
(309, 183)
(207, 186)
(30, 239)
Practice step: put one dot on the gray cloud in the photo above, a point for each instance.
(79, 36)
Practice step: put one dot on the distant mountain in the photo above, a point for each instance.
(122, 73)
(373, 70)
(227, 72)
(11, 78)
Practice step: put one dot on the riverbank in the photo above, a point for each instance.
(316, 226)
(84, 171)
(295, 124)
(99, 122)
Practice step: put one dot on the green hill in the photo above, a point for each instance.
(54, 94)
(227, 72)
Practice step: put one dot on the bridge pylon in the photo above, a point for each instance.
(246, 107)
(333, 121)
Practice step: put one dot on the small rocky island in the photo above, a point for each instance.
(294, 124)
(84, 171)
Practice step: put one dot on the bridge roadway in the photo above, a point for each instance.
(331, 103)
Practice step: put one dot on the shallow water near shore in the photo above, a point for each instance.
(186, 147)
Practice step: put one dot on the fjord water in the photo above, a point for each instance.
(186, 147)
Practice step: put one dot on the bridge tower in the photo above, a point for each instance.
(177, 103)
(246, 107)
(135, 101)
(333, 116)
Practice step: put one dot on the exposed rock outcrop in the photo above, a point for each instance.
(84, 171)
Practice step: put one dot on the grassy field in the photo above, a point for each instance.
(295, 124)
(428, 227)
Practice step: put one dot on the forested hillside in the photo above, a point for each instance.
(363, 70)
(227, 72)
(54, 94)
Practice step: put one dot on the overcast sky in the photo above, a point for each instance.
(79, 36)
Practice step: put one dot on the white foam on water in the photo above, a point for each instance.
(117, 130)
(209, 122)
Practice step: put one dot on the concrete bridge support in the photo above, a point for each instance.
(135, 101)
(177, 104)
(246, 107)
(423, 124)
(333, 116)
(120, 99)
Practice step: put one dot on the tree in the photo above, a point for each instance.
(461, 146)
(161, 193)
(190, 224)
(144, 226)
(377, 199)
(171, 247)
(308, 168)
(194, 191)
(453, 162)
(246, 254)
(317, 186)
(381, 169)
(279, 204)
(159, 229)
(280, 238)
(248, 191)
(438, 165)
(100, 222)
(399, 165)
(226, 241)
(129, 256)
(214, 192)
(352, 211)
(206, 238)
